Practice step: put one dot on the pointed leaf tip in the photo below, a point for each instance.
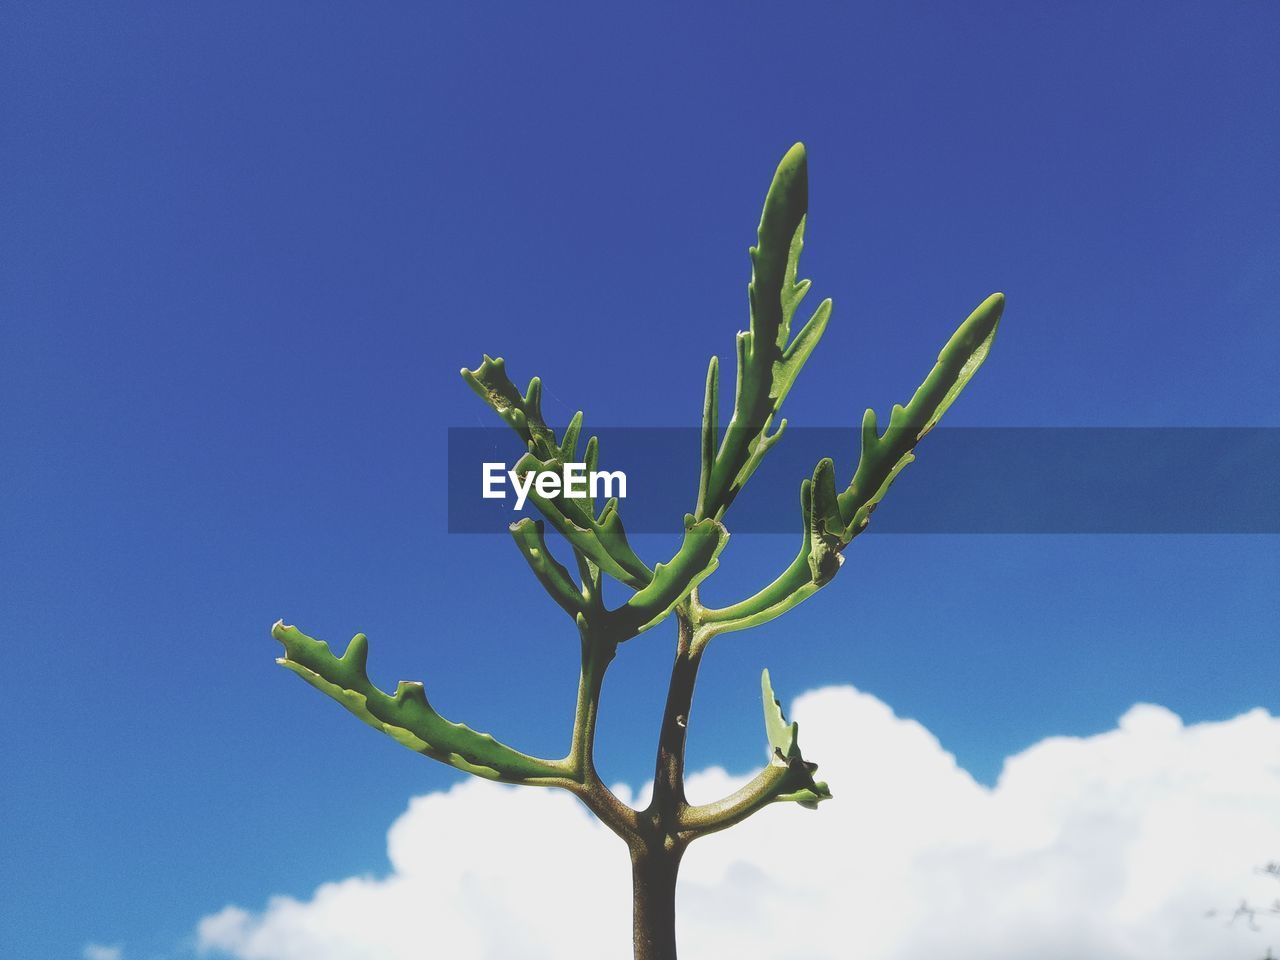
(357, 652)
(791, 180)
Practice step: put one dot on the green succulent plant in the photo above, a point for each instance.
(769, 359)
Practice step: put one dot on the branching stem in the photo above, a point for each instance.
(763, 789)
(596, 657)
(668, 801)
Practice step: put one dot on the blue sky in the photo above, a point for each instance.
(245, 252)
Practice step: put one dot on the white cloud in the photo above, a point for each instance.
(99, 951)
(1111, 847)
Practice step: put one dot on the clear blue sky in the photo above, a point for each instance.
(243, 253)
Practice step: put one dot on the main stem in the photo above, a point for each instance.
(656, 851)
(653, 883)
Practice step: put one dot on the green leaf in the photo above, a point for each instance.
(406, 716)
(793, 290)
(823, 524)
(693, 562)
(569, 445)
(786, 370)
(528, 534)
(522, 412)
(784, 745)
(602, 540)
(783, 736)
(710, 430)
(832, 519)
(883, 457)
(768, 362)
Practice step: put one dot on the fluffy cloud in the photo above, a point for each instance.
(99, 951)
(1109, 847)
